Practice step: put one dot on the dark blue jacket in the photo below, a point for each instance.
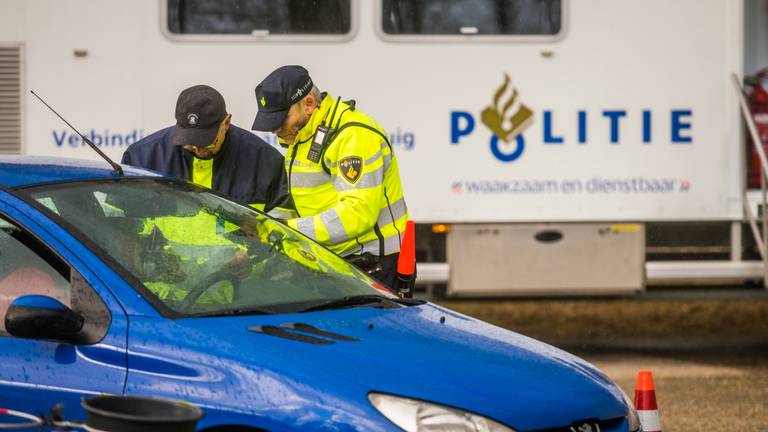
(247, 169)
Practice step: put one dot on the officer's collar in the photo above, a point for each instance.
(316, 118)
(224, 146)
(190, 156)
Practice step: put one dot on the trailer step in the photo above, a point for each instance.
(698, 270)
(429, 273)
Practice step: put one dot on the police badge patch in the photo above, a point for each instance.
(307, 256)
(351, 168)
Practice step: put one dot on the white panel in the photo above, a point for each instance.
(631, 55)
(627, 56)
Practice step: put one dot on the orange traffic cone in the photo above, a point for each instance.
(406, 263)
(645, 402)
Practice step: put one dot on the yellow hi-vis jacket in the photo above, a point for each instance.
(357, 205)
(197, 241)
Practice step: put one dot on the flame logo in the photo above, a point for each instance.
(506, 127)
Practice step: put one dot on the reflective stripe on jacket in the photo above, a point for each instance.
(361, 195)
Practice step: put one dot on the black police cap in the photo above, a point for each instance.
(282, 88)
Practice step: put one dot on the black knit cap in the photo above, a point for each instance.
(199, 112)
(282, 88)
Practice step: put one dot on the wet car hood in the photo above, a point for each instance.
(430, 353)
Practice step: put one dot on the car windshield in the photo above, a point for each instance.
(197, 253)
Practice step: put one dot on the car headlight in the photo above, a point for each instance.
(632, 418)
(418, 416)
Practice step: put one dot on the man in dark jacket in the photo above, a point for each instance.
(206, 149)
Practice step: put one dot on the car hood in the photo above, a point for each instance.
(431, 353)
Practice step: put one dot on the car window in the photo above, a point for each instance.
(190, 251)
(26, 267)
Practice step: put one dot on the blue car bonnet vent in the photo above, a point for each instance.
(301, 332)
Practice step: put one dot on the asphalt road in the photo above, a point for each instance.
(709, 357)
(698, 391)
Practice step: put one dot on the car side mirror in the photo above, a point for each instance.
(43, 317)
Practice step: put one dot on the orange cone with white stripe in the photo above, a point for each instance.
(645, 402)
(406, 262)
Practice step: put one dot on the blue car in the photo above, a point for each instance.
(139, 284)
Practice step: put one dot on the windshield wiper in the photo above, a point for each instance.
(358, 300)
(233, 312)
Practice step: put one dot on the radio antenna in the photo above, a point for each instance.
(115, 167)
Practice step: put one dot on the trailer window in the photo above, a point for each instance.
(471, 17)
(258, 17)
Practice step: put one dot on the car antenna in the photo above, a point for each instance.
(117, 168)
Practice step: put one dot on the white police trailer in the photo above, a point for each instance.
(568, 147)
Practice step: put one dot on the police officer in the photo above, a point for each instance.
(205, 148)
(342, 173)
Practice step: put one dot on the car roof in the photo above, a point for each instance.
(18, 171)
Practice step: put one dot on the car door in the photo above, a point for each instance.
(35, 375)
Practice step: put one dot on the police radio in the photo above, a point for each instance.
(318, 142)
